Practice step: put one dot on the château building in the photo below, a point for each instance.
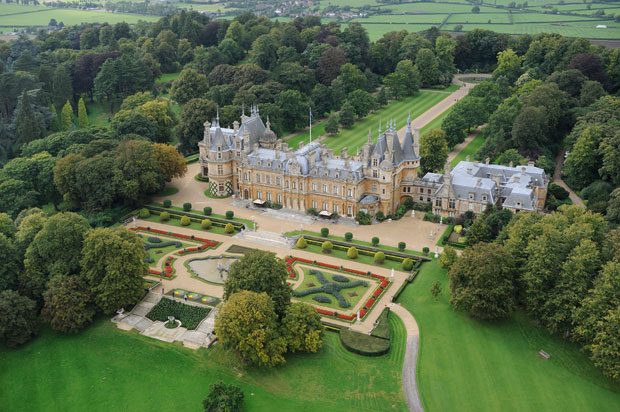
(250, 162)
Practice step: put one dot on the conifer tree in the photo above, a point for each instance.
(62, 88)
(27, 130)
(82, 116)
(55, 123)
(66, 118)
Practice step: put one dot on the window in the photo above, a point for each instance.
(337, 175)
(279, 165)
(220, 169)
(374, 187)
(429, 191)
(324, 188)
(375, 162)
(471, 196)
(219, 155)
(269, 196)
(335, 188)
(220, 187)
(278, 180)
(301, 186)
(238, 154)
(314, 204)
(258, 178)
(350, 192)
(349, 210)
(269, 164)
(258, 194)
(438, 203)
(294, 185)
(428, 199)
(287, 184)
(484, 198)
(421, 198)
(335, 208)
(245, 177)
(314, 187)
(451, 204)
(279, 198)
(219, 148)
(383, 190)
(324, 205)
(268, 179)
(471, 206)
(375, 173)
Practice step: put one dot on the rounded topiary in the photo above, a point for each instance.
(144, 213)
(340, 278)
(324, 232)
(153, 239)
(163, 216)
(302, 243)
(185, 221)
(327, 246)
(379, 257)
(426, 250)
(407, 264)
(206, 224)
(348, 236)
(458, 228)
(167, 203)
(187, 206)
(230, 214)
(375, 241)
(321, 299)
(229, 228)
(207, 210)
(402, 246)
(352, 252)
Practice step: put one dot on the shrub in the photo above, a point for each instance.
(230, 214)
(206, 224)
(379, 257)
(324, 232)
(458, 229)
(407, 264)
(402, 246)
(187, 206)
(340, 278)
(153, 239)
(380, 216)
(185, 221)
(375, 241)
(301, 243)
(348, 236)
(447, 258)
(352, 252)
(144, 213)
(190, 316)
(312, 211)
(426, 250)
(321, 299)
(207, 210)
(229, 227)
(327, 246)
(163, 216)
(363, 218)
(167, 203)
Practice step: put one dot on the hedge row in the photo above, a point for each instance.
(383, 328)
(444, 240)
(362, 344)
(237, 226)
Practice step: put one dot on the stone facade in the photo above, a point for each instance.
(250, 162)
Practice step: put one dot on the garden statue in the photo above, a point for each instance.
(134, 222)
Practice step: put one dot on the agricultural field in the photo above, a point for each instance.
(11, 17)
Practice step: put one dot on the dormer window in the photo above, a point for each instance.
(484, 198)
(471, 196)
(219, 155)
(375, 162)
(375, 173)
(518, 204)
(219, 148)
(268, 164)
(260, 162)
(279, 165)
(326, 173)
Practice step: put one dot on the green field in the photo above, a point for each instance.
(470, 150)
(357, 135)
(436, 122)
(67, 16)
(103, 369)
(470, 365)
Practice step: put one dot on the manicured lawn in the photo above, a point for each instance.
(192, 225)
(99, 113)
(342, 254)
(163, 251)
(201, 212)
(470, 365)
(358, 290)
(471, 149)
(436, 122)
(104, 369)
(167, 77)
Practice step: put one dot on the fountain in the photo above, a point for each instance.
(212, 269)
(172, 323)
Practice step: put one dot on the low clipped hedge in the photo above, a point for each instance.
(321, 299)
(340, 278)
(190, 316)
(237, 226)
(383, 328)
(162, 245)
(153, 239)
(362, 344)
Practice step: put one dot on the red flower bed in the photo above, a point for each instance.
(377, 276)
(357, 272)
(346, 317)
(303, 260)
(363, 313)
(326, 265)
(385, 283)
(325, 312)
(370, 302)
(293, 275)
(377, 293)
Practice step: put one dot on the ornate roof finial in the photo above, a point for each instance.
(242, 110)
(257, 110)
(217, 118)
(268, 123)
(380, 120)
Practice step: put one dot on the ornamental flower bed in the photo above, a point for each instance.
(206, 243)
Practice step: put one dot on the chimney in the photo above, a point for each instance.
(476, 163)
(469, 170)
(516, 179)
(236, 125)
(479, 182)
(467, 158)
(531, 163)
(487, 160)
(207, 133)
(285, 147)
(330, 152)
(289, 153)
(523, 169)
(277, 152)
(255, 148)
(389, 139)
(301, 145)
(311, 158)
(324, 157)
(510, 164)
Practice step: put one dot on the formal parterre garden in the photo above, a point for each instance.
(194, 297)
(190, 316)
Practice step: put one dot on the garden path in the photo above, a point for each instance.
(459, 147)
(557, 179)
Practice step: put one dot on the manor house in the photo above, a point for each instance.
(250, 162)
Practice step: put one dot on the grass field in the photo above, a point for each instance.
(436, 122)
(99, 113)
(67, 16)
(357, 135)
(470, 365)
(470, 150)
(103, 369)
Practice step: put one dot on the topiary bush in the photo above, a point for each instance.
(375, 241)
(321, 299)
(425, 250)
(379, 257)
(187, 206)
(207, 210)
(327, 246)
(348, 236)
(302, 243)
(380, 216)
(164, 216)
(153, 239)
(458, 229)
(352, 252)
(167, 203)
(340, 278)
(407, 264)
(324, 232)
(230, 214)
(206, 224)
(185, 221)
(402, 246)
(229, 228)
(144, 213)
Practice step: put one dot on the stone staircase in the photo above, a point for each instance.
(266, 238)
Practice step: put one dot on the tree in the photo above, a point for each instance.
(264, 52)
(362, 101)
(433, 150)
(223, 398)
(113, 264)
(10, 264)
(454, 125)
(351, 78)
(68, 304)
(481, 282)
(329, 64)
(396, 83)
(331, 126)
(409, 75)
(581, 167)
(127, 122)
(427, 66)
(436, 289)
(189, 85)
(247, 323)
(18, 318)
(529, 128)
(54, 251)
(447, 258)
(66, 116)
(26, 128)
(173, 165)
(260, 271)
(475, 9)
(605, 348)
(82, 115)
(352, 252)
(295, 109)
(511, 156)
(381, 97)
(478, 232)
(190, 129)
(301, 243)
(302, 328)
(347, 115)
(16, 195)
(62, 88)
(509, 65)
(613, 207)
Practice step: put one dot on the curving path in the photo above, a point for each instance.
(411, 358)
(557, 179)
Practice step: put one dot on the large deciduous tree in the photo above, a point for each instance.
(18, 318)
(223, 398)
(433, 150)
(190, 129)
(189, 85)
(68, 304)
(302, 328)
